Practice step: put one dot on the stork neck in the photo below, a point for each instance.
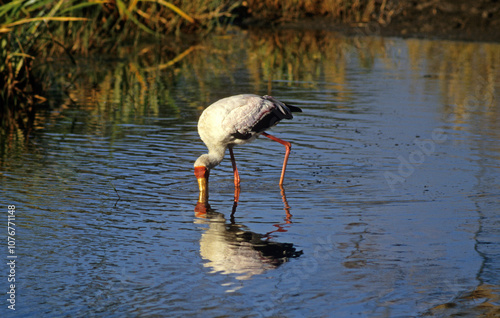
(215, 156)
(210, 159)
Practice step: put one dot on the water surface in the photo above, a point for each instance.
(390, 203)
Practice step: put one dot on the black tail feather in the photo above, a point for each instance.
(293, 109)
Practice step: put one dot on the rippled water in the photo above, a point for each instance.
(390, 203)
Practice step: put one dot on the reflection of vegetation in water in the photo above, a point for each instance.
(118, 91)
(289, 56)
(141, 82)
(481, 302)
(309, 59)
(467, 75)
(208, 70)
(466, 72)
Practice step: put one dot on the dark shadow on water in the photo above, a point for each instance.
(230, 248)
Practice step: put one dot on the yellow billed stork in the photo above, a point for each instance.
(237, 120)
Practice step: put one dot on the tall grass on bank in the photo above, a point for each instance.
(31, 31)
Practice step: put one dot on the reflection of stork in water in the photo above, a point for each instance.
(229, 248)
(234, 121)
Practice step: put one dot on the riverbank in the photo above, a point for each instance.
(445, 19)
(448, 19)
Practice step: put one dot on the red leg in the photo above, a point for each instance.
(235, 169)
(287, 153)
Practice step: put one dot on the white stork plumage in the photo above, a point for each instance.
(237, 120)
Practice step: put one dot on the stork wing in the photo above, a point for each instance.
(254, 115)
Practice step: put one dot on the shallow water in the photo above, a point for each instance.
(390, 203)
